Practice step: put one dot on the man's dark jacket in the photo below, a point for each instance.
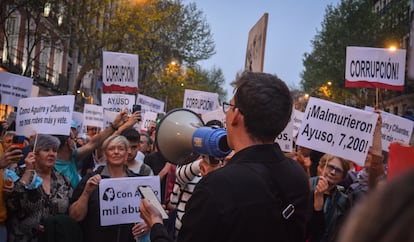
(243, 202)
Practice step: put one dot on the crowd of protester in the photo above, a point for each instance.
(55, 179)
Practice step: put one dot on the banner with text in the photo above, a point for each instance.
(394, 128)
(150, 104)
(337, 129)
(14, 87)
(375, 67)
(120, 199)
(93, 115)
(116, 102)
(120, 72)
(45, 115)
(199, 101)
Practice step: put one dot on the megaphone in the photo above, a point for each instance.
(181, 137)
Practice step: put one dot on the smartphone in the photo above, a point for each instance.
(136, 107)
(147, 193)
(18, 141)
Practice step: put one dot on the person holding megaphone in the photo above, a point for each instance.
(260, 195)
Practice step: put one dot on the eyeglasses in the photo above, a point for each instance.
(226, 106)
(338, 171)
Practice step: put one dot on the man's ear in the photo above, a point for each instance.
(237, 117)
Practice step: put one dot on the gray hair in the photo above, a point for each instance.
(45, 141)
(115, 139)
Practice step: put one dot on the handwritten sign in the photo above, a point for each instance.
(45, 115)
(120, 199)
(14, 87)
(337, 129)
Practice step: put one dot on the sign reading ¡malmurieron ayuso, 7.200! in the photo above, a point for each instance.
(375, 68)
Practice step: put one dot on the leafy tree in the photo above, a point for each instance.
(351, 23)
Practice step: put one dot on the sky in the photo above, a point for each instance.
(291, 27)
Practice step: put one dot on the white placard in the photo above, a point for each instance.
(45, 115)
(199, 101)
(109, 117)
(217, 114)
(14, 87)
(297, 121)
(394, 128)
(150, 104)
(116, 102)
(375, 67)
(120, 72)
(337, 129)
(146, 120)
(93, 115)
(119, 198)
(285, 138)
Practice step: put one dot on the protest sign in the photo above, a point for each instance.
(150, 104)
(217, 114)
(394, 128)
(146, 120)
(120, 72)
(116, 102)
(109, 116)
(337, 130)
(14, 87)
(285, 138)
(93, 115)
(120, 199)
(375, 67)
(297, 121)
(45, 115)
(256, 45)
(199, 101)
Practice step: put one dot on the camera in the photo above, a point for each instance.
(136, 107)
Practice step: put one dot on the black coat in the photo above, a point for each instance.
(242, 203)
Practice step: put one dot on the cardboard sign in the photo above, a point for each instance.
(120, 72)
(199, 101)
(14, 87)
(256, 45)
(375, 67)
(45, 115)
(337, 129)
(120, 198)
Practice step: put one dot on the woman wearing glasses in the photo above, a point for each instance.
(330, 205)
